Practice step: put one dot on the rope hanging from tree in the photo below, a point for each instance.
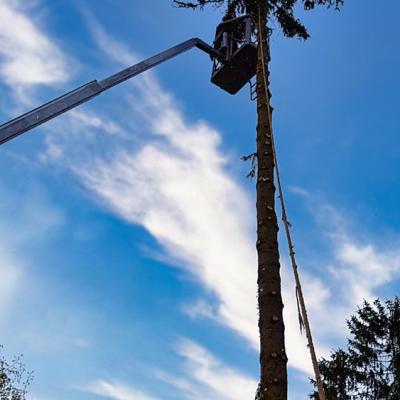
(302, 310)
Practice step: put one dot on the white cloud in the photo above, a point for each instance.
(177, 187)
(114, 49)
(82, 343)
(214, 377)
(200, 309)
(91, 120)
(299, 191)
(28, 56)
(21, 222)
(11, 274)
(116, 391)
(353, 272)
(369, 269)
(68, 135)
(202, 376)
(359, 267)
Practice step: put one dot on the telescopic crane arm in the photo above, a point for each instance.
(70, 100)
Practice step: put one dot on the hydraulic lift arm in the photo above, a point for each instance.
(86, 92)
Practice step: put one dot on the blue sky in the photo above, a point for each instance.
(127, 257)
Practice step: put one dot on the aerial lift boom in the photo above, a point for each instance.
(91, 89)
(234, 55)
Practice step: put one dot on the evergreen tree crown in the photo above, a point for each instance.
(280, 10)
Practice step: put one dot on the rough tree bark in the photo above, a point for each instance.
(273, 359)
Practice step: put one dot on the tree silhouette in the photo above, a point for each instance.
(273, 359)
(370, 367)
(14, 379)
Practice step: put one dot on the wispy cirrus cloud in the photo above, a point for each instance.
(115, 390)
(10, 272)
(28, 56)
(176, 185)
(355, 272)
(22, 221)
(200, 376)
(179, 192)
(213, 376)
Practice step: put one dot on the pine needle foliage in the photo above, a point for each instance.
(370, 367)
(281, 11)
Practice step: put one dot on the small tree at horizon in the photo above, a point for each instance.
(273, 359)
(14, 379)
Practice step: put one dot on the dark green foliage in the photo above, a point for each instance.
(280, 10)
(14, 379)
(370, 367)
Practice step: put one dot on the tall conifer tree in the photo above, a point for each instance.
(369, 369)
(273, 359)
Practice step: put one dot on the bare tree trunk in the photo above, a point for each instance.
(273, 359)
